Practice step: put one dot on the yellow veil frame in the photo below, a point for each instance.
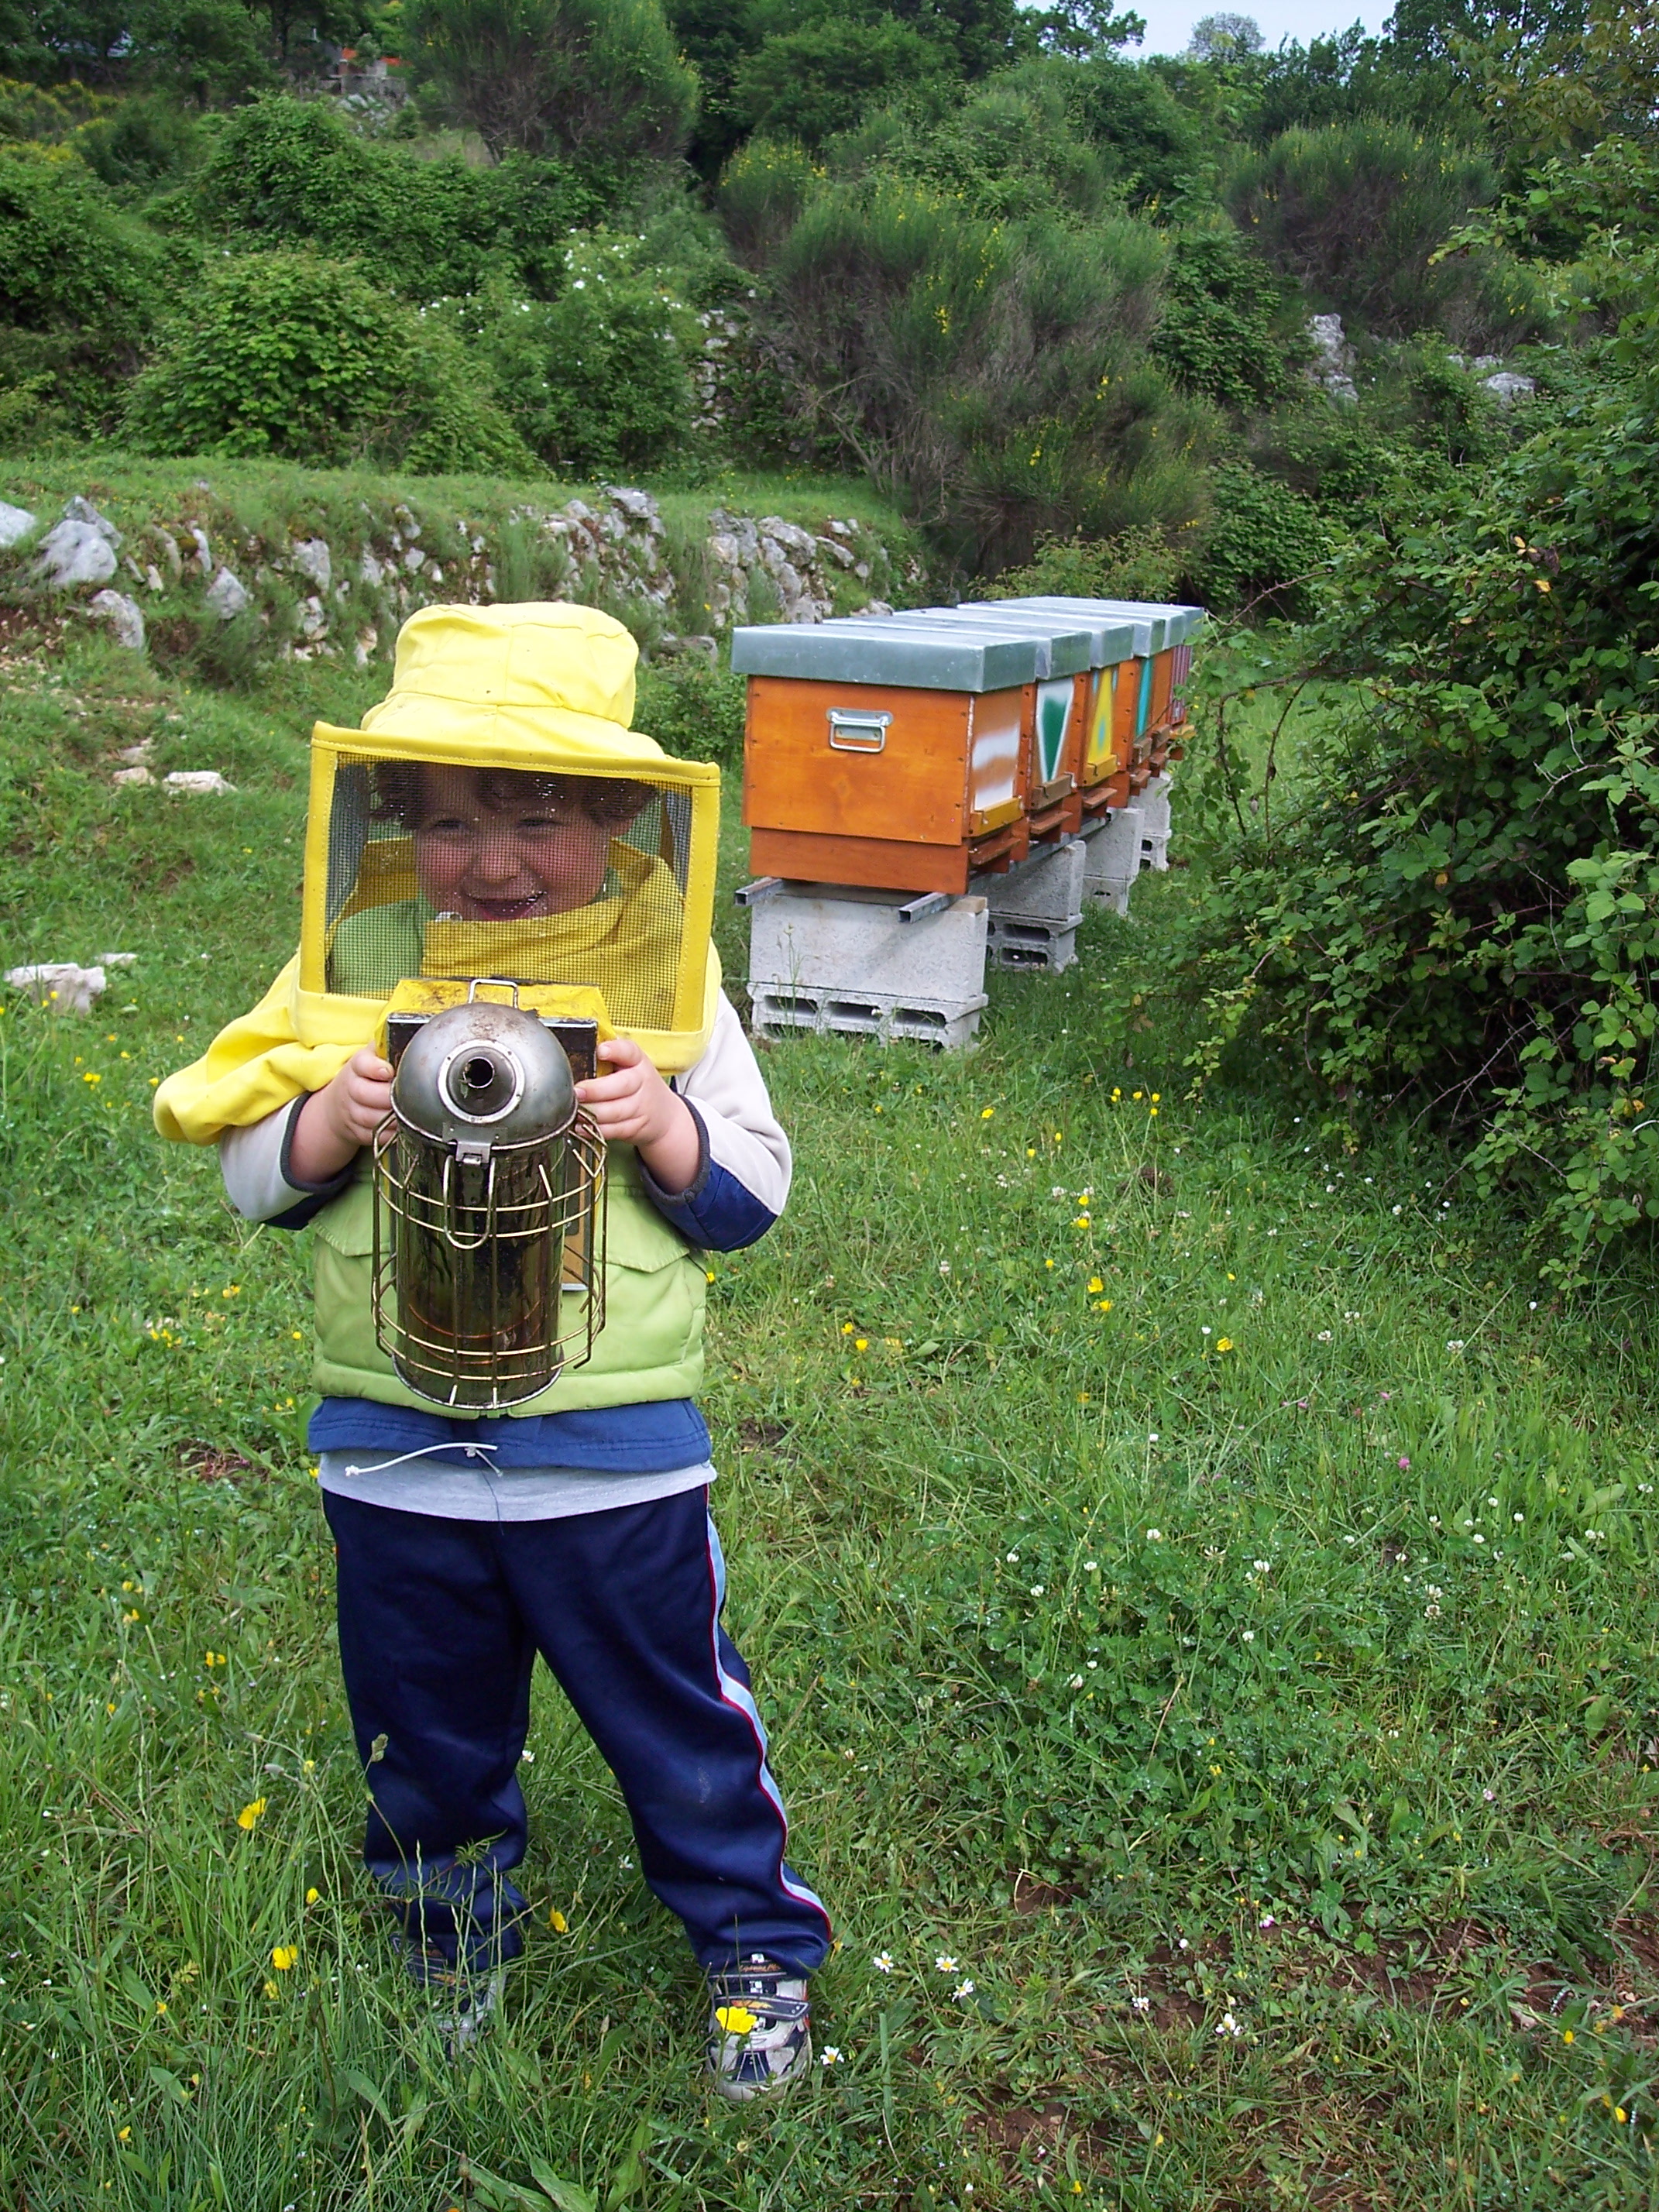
(317, 1010)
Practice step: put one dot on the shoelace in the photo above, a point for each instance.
(756, 1988)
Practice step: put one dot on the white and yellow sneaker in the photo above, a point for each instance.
(760, 2029)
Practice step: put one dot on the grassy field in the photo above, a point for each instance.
(1203, 1598)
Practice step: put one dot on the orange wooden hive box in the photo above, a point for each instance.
(892, 752)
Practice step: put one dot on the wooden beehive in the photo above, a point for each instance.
(1147, 690)
(892, 752)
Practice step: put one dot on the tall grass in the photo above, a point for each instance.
(1205, 1610)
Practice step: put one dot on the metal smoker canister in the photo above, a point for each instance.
(488, 1211)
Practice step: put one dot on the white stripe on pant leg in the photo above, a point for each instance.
(734, 1694)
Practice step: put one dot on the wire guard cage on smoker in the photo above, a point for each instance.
(488, 1211)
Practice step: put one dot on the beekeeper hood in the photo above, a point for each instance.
(495, 815)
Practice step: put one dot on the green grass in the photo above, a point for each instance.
(1384, 1801)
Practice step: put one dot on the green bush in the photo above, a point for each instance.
(1223, 333)
(1136, 564)
(1353, 214)
(1264, 543)
(286, 171)
(1464, 905)
(693, 710)
(594, 381)
(81, 284)
(143, 144)
(995, 373)
(300, 358)
(601, 82)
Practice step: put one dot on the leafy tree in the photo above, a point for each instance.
(600, 81)
(1224, 38)
(810, 83)
(1151, 145)
(300, 358)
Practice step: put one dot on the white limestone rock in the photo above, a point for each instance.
(312, 557)
(15, 524)
(227, 595)
(73, 554)
(197, 782)
(124, 617)
(63, 984)
(1333, 365)
(1508, 385)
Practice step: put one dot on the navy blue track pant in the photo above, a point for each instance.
(440, 1625)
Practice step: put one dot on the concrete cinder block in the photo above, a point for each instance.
(841, 960)
(1112, 858)
(949, 1023)
(1044, 946)
(1035, 909)
(1154, 803)
(1047, 887)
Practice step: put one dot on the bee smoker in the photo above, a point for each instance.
(488, 1254)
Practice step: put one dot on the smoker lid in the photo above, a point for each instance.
(485, 1072)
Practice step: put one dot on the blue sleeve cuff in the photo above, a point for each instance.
(715, 1210)
(318, 1194)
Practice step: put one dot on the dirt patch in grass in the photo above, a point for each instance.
(215, 1463)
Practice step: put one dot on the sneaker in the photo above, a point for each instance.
(760, 2029)
(464, 2004)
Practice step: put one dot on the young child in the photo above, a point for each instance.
(577, 1526)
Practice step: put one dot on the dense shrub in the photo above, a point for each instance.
(1223, 331)
(143, 144)
(600, 81)
(301, 358)
(595, 381)
(286, 171)
(1465, 905)
(81, 284)
(1263, 544)
(1011, 149)
(1353, 214)
(1136, 564)
(992, 374)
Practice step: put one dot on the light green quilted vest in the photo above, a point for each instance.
(650, 1347)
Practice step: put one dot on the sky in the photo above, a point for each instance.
(1170, 22)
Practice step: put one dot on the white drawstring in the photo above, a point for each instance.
(472, 1451)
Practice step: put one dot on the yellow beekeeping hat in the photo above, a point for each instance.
(482, 697)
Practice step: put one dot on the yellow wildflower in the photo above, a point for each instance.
(250, 1814)
(283, 1956)
(736, 2019)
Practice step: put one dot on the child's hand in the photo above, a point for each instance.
(635, 1106)
(336, 1121)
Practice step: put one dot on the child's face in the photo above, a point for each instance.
(502, 863)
